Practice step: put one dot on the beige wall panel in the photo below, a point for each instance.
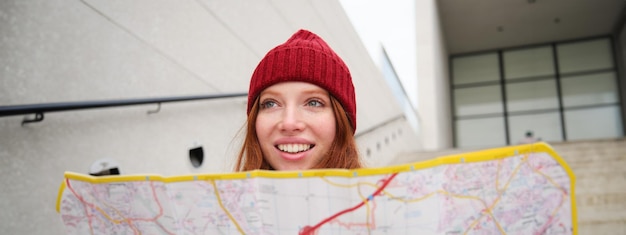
(70, 53)
(190, 35)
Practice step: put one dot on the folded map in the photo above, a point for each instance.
(525, 189)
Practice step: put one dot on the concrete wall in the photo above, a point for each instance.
(58, 51)
(432, 74)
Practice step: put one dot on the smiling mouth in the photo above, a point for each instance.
(294, 148)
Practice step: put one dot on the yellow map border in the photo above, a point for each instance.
(478, 156)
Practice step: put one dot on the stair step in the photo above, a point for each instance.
(601, 207)
(599, 167)
(602, 227)
(591, 186)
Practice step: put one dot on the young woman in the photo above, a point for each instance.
(301, 109)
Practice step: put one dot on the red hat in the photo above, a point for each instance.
(305, 57)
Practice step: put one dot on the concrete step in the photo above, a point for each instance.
(598, 166)
(606, 182)
(573, 160)
(592, 155)
(602, 227)
(601, 206)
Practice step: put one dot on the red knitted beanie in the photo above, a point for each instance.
(305, 57)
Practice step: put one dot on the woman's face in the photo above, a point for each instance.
(295, 125)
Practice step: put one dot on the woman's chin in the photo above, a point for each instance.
(292, 167)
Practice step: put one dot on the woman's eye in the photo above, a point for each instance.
(315, 103)
(268, 104)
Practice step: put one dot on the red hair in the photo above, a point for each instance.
(343, 152)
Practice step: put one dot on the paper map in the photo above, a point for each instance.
(526, 189)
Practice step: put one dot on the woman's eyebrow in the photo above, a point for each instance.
(269, 92)
(315, 92)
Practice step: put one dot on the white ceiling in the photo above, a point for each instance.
(478, 25)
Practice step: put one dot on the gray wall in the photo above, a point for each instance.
(620, 45)
(58, 51)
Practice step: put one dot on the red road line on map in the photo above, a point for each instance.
(310, 230)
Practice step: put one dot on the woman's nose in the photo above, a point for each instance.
(292, 120)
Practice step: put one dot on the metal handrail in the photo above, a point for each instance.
(40, 109)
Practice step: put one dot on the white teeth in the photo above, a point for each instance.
(294, 148)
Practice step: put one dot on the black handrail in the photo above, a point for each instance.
(40, 109)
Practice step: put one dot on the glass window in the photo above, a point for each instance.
(473, 69)
(583, 103)
(591, 89)
(483, 132)
(534, 95)
(477, 100)
(546, 126)
(526, 63)
(585, 56)
(593, 123)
